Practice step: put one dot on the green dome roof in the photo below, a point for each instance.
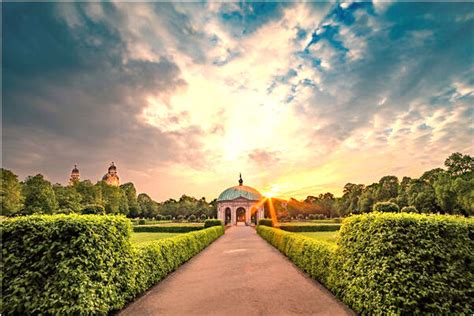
(240, 191)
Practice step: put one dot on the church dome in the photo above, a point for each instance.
(240, 191)
(75, 170)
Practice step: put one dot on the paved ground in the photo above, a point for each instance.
(239, 274)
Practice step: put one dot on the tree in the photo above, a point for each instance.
(459, 164)
(90, 193)
(432, 175)
(368, 198)
(68, 198)
(11, 199)
(388, 188)
(465, 195)
(131, 195)
(349, 201)
(422, 196)
(39, 196)
(446, 194)
(148, 207)
(113, 198)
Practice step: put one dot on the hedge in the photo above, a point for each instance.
(166, 229)
(265, 222)
(312, 256)
(405, 263)
(391, 263)
(158, 258)
(84, 264)
(311, 228)
(213, 222)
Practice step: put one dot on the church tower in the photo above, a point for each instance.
(111, 177)
(75, 176)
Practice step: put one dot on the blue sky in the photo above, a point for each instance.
(299, 97)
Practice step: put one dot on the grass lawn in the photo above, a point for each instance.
(322, 236)
(140, 238)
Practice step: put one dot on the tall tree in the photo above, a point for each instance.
(39, 196)
(422, 196)
(131, 195)
(387, 189)
(68, 198)
(113, 198)
(11, 199)
(459, 164)
(148, 207)
(90, 193)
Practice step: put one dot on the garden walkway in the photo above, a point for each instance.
(239, 274)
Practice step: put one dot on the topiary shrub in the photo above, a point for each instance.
(312, 256)
(93, 209)
(405, 264)
(192, 218)
(159, 217)
(180, 218)
(265, 222)
(66, 264)
(213, 222)
(142, 221)
(300, 217)
(203, 217)
(409, 209)
(386, 207)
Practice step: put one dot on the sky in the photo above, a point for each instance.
(301, 98)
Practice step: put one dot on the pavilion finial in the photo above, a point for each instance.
(240, 179)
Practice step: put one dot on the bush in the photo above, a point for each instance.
(142, 222)
(168, 217)
(203, 217)
(386, 207)
(166, 228)
(213, 222)
(311, 228)
(300, 217)
(65, 264)
(158, 258)
(181, 218)
(312, 256)
(265, 222)
(159, 217)
(93, 209)
(405, 264)
(409, 209)
(192, 218)
(84, 264)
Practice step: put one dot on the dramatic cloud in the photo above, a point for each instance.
(299, 97)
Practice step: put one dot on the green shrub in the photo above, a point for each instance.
(312, 256)
(192, 218)
(409, 209)
(166, 229)
(310, 228)
(386, 207)
(405, 264)
(84, 264)
(65, 264)
(168, 218)
(265, 222)
(142, 221)
(159, 217)
(203, 217)
(158, 258)
(93, 209)
(213, 222)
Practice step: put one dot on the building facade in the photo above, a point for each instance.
(240, 203)
(111, 177)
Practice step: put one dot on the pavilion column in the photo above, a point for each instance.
(233, 212)
(247, 215)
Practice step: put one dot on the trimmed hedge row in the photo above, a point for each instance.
(312, 256)
(310, 228)
(265, 222)
(166, 229)
(84, 264)
(213, 222)
(387, 263)
(158, 258)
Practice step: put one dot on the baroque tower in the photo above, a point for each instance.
(75, 176)
(111, 177)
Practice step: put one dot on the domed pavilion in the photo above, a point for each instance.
(240, 203)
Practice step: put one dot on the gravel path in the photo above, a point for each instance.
(239, 274)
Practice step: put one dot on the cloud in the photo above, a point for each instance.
(183, 96)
